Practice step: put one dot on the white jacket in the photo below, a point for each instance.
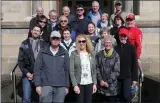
(71, 48)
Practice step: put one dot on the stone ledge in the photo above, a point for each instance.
(153, 76)
(25, 25)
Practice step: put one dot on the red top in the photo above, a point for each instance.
(135, 38)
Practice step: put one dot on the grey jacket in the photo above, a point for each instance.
(108, 70)
(75, 68)
(52, 70)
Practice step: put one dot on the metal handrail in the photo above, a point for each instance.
(141, 78)
(13, 78)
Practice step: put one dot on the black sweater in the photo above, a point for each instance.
(128, 61)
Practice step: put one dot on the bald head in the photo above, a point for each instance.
(39, 11)
(66, 10)
(95, 6)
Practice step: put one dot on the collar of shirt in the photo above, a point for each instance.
(68, 42)
(53, 52)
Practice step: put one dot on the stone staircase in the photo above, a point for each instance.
(11, 42)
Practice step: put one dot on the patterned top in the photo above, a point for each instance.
(86, 77)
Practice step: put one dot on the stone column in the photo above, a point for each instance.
(35, 5)
(128, 6)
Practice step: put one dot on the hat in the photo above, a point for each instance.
(79, 6)
(118, 2)
(130, 16)
(123, 31)
(55, 34)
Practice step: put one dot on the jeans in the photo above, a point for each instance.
(51, 94)
(27, 89)
(125, 90)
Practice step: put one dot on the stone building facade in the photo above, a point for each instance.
(23, 11)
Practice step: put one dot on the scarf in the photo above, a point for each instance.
(110, 52)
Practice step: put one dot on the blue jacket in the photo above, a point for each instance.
(90, 13)
(52, 70)
(80, 26)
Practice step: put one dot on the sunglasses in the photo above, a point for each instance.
(82, 41)
(129, 19)
(63, 21)
(123, 35)
(42, 22)
(55, 38)
(80, 9)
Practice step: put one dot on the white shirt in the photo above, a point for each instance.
(86, 77)
(53, 52)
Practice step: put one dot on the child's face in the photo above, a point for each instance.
(104, 18)
(104, 34)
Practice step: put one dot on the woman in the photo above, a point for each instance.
(67, 43)
(103, 33)
(42, 21)
(83, 69)
(104, 22)
(93, 33)
(118, 23)
(108, 70)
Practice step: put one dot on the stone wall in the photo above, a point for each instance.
(149, 10)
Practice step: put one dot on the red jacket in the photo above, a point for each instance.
(135, 38)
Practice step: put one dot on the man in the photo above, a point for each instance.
(52, 21)
(128, 65)
(28, 52)
(95, 13)
(51, 71)
(81, 24)
(135, 34)
(118, 7)
(34, 20)
(66, 12)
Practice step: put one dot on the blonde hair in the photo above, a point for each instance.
(105, 14)
(89, 46)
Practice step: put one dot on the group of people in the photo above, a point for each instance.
(84, 55)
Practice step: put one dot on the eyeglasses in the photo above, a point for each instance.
(63, 21)
(80, 9)
(42, 22)
(55, 38)
(82, 41)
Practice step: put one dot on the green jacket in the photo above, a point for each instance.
(75, 68)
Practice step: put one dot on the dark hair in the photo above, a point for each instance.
(42, 17)
(79, 6)
(66, 29)
(92, 24)
(118, 16)
(36, 25)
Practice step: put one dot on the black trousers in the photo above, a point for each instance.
(85, 95)
(125, 90)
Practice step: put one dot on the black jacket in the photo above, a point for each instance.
(33, 22)
(128, 61)
(52, 70)
(26, 57)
